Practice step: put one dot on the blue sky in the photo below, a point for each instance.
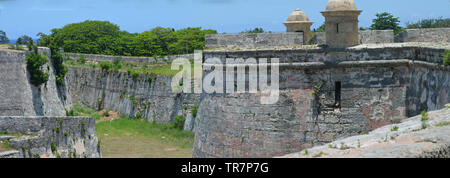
(19, 17)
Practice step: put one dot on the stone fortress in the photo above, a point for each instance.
(354, 83)
(333, 85)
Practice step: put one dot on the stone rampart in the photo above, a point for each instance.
(49, 137)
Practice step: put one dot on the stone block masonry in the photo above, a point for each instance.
(437, 35)
(19, 97)
(254, 40)
(325, 95)
(50, 137)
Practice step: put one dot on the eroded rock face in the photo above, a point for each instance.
(411, 138)
(149, 95)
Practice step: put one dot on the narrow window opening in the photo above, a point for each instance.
(337, 28)
(337, 94)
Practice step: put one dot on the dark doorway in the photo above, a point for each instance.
(337, 94)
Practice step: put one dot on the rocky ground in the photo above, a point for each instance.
(421, 136)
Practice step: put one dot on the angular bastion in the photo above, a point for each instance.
(325, 94)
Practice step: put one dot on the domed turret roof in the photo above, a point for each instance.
(341, 5)
(298, 16)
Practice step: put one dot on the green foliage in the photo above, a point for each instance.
(447, 58)
(53, 147)
(430, 23)
(386, 21)
(255, 30)
(424, 116)
(79, 110)
(35, 61)
(106, 113)
(320, 29)
(105, 65)
(194, 110)
(3, 37)
(58, 63)
(394, 129)
(117, 64)
(178, 123)
(102, 37)
(134, 75)
(70, 113)
(138, 115)
(81, 60)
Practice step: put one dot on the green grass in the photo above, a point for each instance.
(442, 124)
(124, 125)
(132, 68)
(4, 146)
(135, 138)
(79, 110)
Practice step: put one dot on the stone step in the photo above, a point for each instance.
(10, 154)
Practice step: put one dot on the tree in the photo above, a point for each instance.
(430, 23)
(255, 30)
(102, 37)
(386, 21)
(320, 29)
(3, 37)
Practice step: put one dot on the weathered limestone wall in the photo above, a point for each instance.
(19, 98)
(37, 136)
(254, 40)
(97, 58)
(428, 89)
(409, 140)
(149, 95)
(379, 86)
(424, 35)
(376, 36)
(413, 51)
(365, 37)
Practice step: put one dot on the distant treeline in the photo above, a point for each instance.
(103, 37)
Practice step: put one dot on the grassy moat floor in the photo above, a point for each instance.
(123, 137)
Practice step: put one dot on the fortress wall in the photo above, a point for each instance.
(365, 37)
(428, 89)
(237, 125)
(437, 35)
(149, 95)
(376, 36)
(19, 98)
(253, 40)
(97, 58)
(360, 53)
(69, 135)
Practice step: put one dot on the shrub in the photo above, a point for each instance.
(178, 123)
(58, 63)
(447, 57)
(106, 114)
(105, 65)
(424, 115)
(134, 75)
(35, 61)
(138, 115)
(194, 111)
(81, 60)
